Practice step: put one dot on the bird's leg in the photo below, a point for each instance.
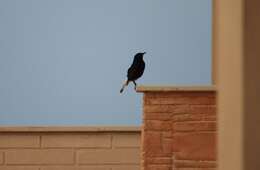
(135, 84)
(124, 85)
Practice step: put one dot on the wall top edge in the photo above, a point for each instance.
(144, 88)
(70, 129)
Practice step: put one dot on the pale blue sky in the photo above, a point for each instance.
(62, 62)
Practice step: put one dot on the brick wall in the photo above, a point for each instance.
(179, 128)
(69, 148)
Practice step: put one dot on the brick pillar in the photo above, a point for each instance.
(179, 128)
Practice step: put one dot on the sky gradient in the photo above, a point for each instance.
(62, 62)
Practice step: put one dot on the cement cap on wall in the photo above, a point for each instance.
(144, 88)
(70, 129)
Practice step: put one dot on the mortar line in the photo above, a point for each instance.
(3, 157)
(40, 138)
(111, 141)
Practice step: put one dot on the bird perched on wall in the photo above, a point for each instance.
(135, 71)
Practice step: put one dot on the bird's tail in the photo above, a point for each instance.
(124, 85)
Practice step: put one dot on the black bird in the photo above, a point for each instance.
(135, 71)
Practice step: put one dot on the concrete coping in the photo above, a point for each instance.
(144, 89)
(70, 129)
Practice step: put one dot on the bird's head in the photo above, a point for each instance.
(139, 55)
(143, 53)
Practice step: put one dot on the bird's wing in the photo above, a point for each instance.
(135, 71)
(131, 71)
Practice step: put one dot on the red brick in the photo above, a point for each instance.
(157, 116)
(174, 109)
(195, 146)
(202, 109)
(159, 167)
(151, 143)
(159, 160)
(195, 168)
(155, 145)
(194, 164)
(183, 100)
(194, 126)
(157, 125)
(167, 134)
(192, 135)
(210, 118)
(167, 146)
(158, 108)
(193, 117)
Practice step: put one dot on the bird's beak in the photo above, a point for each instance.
(144, 53)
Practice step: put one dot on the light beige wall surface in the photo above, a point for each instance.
(237, 28)
(48, 149)
(229, 53)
